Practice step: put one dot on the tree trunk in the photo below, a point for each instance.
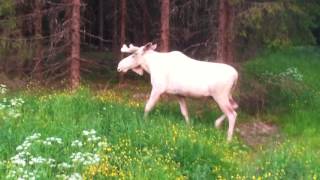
(165, 18)
(123, 17)
(230, 46)
(146, 22)
(115, 45)
(38, 67)
(75, 45)
(225, 33)
(101, 22)
(145, 37)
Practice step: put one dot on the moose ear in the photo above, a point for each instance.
(149, 46)
(154, 46)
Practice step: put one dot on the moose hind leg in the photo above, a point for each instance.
(218, 122)
(228, 110)
(184, 108)
(233, 102)
(232, 120)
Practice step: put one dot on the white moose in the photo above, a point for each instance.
(175, 73)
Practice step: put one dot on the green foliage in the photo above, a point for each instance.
(281, 80)
(8, 21)
(294, 103)
(278, 24)
(6, 8)
(13, 46)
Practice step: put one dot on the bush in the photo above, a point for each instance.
(268, 90)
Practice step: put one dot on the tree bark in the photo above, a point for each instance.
(75, 45)
(38, 67)
(115, 45)
(165, 25)
(230, 46)
(146, 21)
(101, 22)
(225, 33)
(145, 37)
(123, 18)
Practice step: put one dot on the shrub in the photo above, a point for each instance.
(268, 90)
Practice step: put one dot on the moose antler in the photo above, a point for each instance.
(130, 49)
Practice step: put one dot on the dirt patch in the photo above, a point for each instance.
(140, 96)
(257, 132)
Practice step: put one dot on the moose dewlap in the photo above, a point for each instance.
(175, 73)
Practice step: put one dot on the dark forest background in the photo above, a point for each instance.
(68, 40)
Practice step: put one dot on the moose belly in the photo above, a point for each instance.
(188, 90)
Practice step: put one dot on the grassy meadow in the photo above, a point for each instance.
(101, 134)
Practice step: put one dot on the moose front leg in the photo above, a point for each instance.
(154, 97)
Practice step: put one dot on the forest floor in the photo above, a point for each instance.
(99, 132)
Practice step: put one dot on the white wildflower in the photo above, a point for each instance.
(64, 165)
(75, 176)
(33, 137)
(89, 132)
(37, 160)
(18, 161)
(16, 102)
(21, 148)
(3, 88)
(61, 176)
(93, 138)
(20, 158)
(48, 143)
(103, 144)
(13, 102)
(51, 140)
(51, 162)
(76, 143)
(91, 135)
(29, 175)
(2, 106)
(85, 158)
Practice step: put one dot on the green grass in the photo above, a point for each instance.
(162, 147)
(303, 106)
(123, 145)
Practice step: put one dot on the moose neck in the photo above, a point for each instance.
(147, 60)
